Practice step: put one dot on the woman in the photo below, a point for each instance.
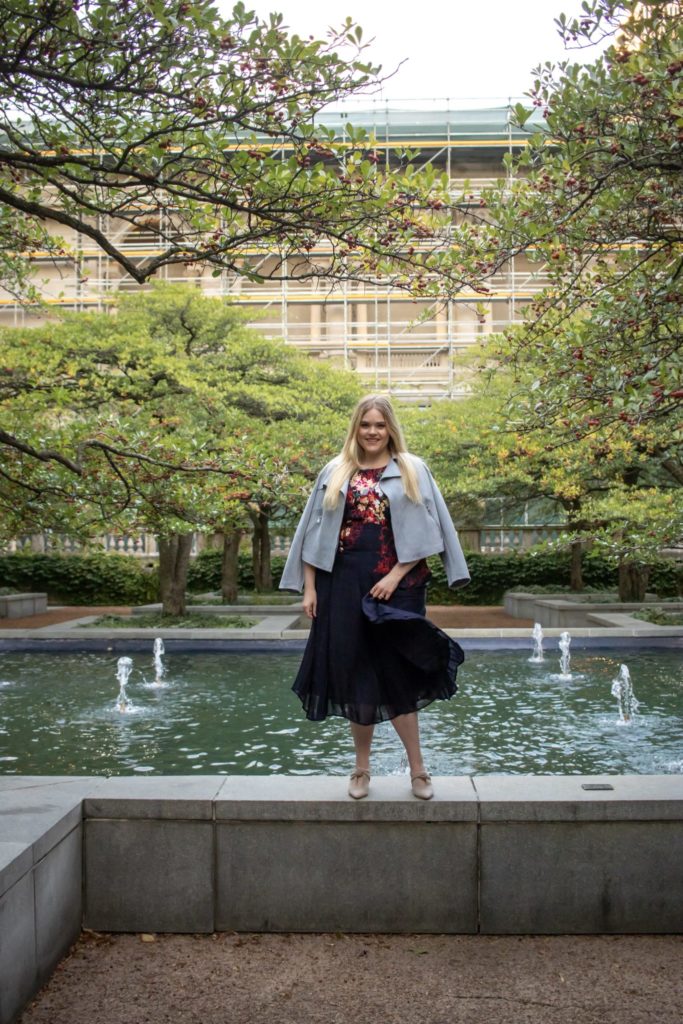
(359, 553)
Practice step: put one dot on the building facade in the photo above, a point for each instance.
(394, 343)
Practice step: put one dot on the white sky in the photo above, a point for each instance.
(457, 49)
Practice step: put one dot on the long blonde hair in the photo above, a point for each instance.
(348, 461)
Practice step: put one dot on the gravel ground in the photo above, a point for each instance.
(368, 979)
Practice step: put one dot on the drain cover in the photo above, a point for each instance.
(596, 785)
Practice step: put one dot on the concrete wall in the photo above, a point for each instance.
(16, 606)
(40, 881)
(577, 612)
(490, 854)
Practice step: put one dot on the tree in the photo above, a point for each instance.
(595, 370)
(600, 483)
(164, 417)
(596, 199)
(166, 117)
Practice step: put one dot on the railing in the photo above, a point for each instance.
(501, 539)
(138, 545)
(490, 540)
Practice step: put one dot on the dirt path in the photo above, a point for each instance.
(54, 616)
(366, 979)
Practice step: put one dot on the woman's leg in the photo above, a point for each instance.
(362, 741)
(408, 729)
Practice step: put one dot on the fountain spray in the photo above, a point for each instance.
(158, 663)
(622, 689)
(124, 667)
(565, 656)
(537, 634)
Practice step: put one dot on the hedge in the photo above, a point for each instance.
(120, 579)
(205, 571)
(492, 575)
(81, 579)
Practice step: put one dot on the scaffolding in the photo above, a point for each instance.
(395, 343)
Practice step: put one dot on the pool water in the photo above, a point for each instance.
(235, 714)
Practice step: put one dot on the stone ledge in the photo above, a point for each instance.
(324, 798)
(177, 797)
(540, 798)
(41, 815)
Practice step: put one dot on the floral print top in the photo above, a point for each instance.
(367, 522)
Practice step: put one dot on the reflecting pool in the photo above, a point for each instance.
(235, 714)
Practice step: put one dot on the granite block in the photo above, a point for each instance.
(152, 876)
(18, 974)
(58, 902)
(15, 860)
(581, 877)
(347, 876)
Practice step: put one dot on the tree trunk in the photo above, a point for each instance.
(266, 577)
(576, 569)
(230, 566)
(260, 552)
(174, 561)
(633, 580)
(255, 550)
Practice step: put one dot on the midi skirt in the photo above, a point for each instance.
(369, 660)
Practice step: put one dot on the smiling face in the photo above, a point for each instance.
(373, 437)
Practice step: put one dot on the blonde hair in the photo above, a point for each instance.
(348, 461)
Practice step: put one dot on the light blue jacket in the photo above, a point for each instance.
(419, 530)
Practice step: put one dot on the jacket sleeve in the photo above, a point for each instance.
(452, 555)
(293, 572)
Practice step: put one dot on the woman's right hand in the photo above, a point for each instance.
(310, 602)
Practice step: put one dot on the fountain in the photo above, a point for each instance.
(622, 689)
(124, 667)
(159, 668)
(565, 656)
(537, 634)
(233, 713)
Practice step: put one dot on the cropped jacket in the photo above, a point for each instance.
(419, 529)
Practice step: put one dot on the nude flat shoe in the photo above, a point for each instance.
(359, 783)
(421, 783)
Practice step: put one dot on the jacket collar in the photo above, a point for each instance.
(392, 470)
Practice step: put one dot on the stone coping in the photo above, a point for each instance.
(36, 813)
(482, 640)
(32, 806)
(272, 628)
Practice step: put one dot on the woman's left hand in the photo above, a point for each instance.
(385, 587)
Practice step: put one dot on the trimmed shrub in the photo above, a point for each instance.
(102, 578)
(205, 571)
(492, 575)
(81, 579)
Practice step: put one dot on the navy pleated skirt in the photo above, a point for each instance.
(369, 660)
